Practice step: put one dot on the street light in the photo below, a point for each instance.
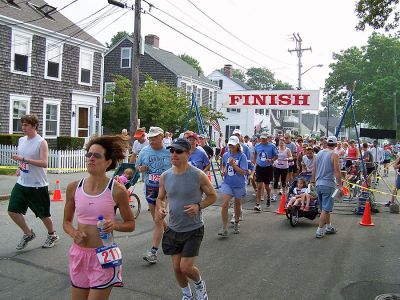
(301, 74)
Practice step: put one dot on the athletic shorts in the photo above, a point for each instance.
(386, 161)
(86, 272)
(398, 181)
(264, 174)
(187, 244)
(370, 170)
(292, 168)
(325, 200)
(237, 192)
(36, 198)
(151, 193)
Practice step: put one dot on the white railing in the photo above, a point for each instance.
(59, 161)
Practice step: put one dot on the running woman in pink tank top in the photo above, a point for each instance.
(88, 198)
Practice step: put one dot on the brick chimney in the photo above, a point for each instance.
(228, 71)
(153, 40)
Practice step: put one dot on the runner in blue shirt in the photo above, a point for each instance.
(198, 157)
(265, 153)
(234, 170)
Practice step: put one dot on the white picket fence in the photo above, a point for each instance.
(60, 161)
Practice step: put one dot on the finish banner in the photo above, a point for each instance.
(275, 99)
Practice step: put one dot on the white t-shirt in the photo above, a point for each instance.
(137, 146)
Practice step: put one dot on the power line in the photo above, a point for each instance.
(234, 36)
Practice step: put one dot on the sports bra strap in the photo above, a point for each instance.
(111, 184)
(80, 183)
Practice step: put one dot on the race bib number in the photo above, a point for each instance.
(109, 256)
(263, 156)
(155, 178)
(24, 167)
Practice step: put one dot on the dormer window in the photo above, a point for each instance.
(45, 10)
(12, 3)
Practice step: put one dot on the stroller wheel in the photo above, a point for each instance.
(294, 216)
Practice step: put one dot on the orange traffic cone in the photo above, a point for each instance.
(365, 186)
(209, 176)
(366, 219)
(345, 191)
(57, 192)
(281, 210)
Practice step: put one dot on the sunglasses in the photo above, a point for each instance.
(177, 151)
(94, 154)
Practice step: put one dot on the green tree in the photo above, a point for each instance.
(191, 61)
(377, 14)
(375, 68)
(264, 79)
(159, 105)
(236, 73)
(280, 85)
(117, 37)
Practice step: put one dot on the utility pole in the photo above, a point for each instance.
(395, 111)
(135, 68)
(136, 62)
(299, 50)
(327, 116)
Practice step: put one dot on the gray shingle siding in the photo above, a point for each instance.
(37, 86)
(148, 66)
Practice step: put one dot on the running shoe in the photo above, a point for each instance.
(26, 238)
(268, 202)
(273, 199)
(241, 216)
(201, 291)
(186, 297)
(51, 240)
(257, 207)
(150, 257)
(330, 230)
(236, 228)
(319, 235)
(233, 219)
(223, 232)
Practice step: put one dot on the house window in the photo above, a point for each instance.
(53, 60)
(126, 55)
(19, 106)
(259, 111)
(215, 100)
(51, 118)
(229, 129)
(85, 67)
(211, 101)
(109, 92)
(21, 53)
(198, 96)
(235, 110)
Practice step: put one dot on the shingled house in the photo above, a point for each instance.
(49, 67)
(161, 65)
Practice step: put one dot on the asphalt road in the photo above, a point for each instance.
(268, 259)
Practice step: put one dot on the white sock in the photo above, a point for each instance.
(320, 230)
(186, 291)
(199, 284)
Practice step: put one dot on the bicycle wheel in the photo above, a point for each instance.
(134, 203)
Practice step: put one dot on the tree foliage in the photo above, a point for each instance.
(377, 14)
(191, 61)
(117, 37)
(375, 69)
(264, 79)
(159, 105)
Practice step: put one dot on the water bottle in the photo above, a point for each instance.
(106, 238)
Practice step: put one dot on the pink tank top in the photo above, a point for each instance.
(89, 207)
(352, 153)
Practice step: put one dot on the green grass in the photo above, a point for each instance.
(8, 171)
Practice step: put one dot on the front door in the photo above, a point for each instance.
(83, 121)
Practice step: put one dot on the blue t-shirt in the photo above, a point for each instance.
(232, 178)
(264, 152)
(245, 148)
(199, 159)
(157, 162)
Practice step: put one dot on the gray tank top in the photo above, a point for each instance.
(183, 189)
(324, 169)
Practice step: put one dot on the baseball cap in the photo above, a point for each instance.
(233, 140)
(237, 131)
(139, 133)
(332, 140)
(181, 144)
(154, 131)
(264, 135)
(203, 136)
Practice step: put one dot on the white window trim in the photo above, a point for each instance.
(105, 89)
(61, 45)
(130, 57)
(80, 62)
(53, 102)
(27, 35)
(17, 97)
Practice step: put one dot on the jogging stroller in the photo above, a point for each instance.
(134, 201)
(294, 213)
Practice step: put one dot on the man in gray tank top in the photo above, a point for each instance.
(31, 190)
(325, 170)
(183, 185)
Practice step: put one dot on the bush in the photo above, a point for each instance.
(70, 143)
(9, 139)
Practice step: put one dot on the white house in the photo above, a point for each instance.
(244, 119)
